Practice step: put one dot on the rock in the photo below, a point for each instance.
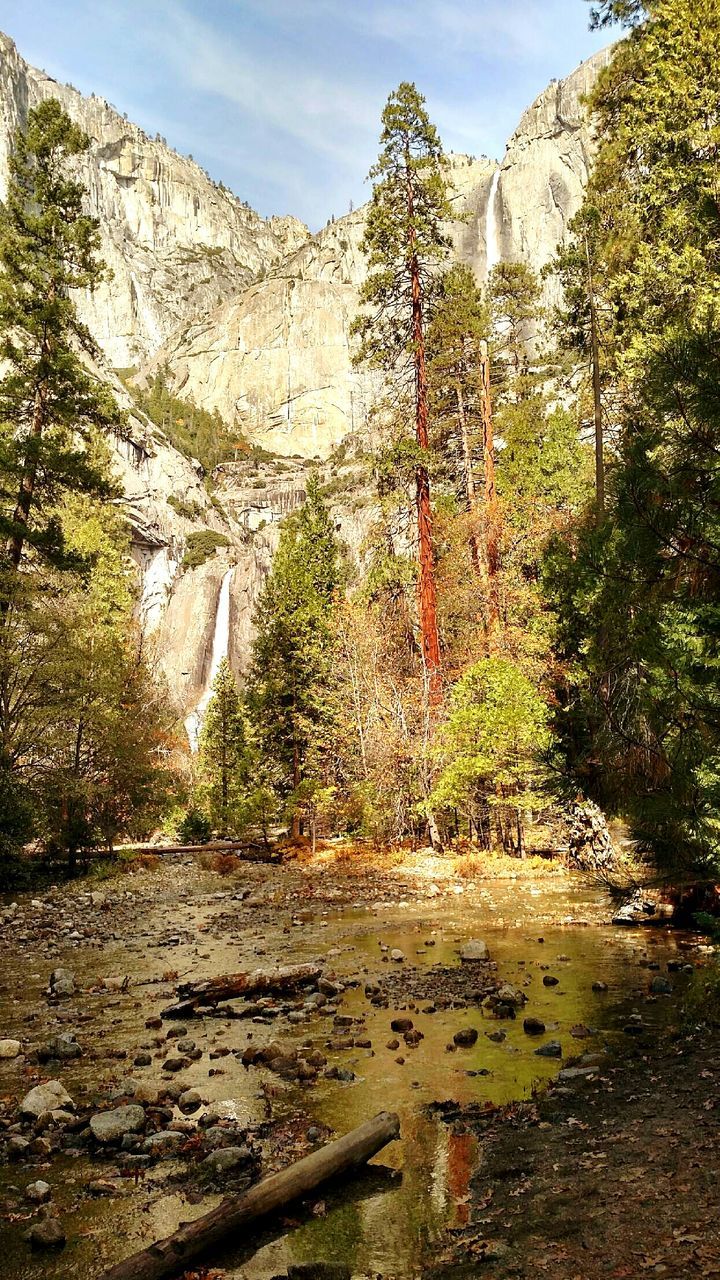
(549, 981)
(98, 899)
(507, 994)
(397, 955)
(599, 986)
(466, 1037)
(110, 1126)
(175, 1064)
(496, 1036)
(533, 1027)
(38, 1192)
(164, 1143)
(328, 988)
(9, 1048)
(47, 1234)
(576, 1073)
(553, 1049)
(17, 1148)
(62, 983)
(660, 987)
(401, 1025)
(65, 1047)
(475, 949)
(101, 1187)
(46, 1097)
(190, 1100)
(226, 1159)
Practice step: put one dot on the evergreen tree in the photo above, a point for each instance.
(637, 596)
(404, 241)
(292, 651)
(50, 405)
(225, 754)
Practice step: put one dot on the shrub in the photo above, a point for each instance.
(201, 546)
(195, 827)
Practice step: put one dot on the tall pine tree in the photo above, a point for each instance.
(405, 240)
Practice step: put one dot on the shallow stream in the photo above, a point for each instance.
(378, 1225)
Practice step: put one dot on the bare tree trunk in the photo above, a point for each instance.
(21, 514)
(235, 1214)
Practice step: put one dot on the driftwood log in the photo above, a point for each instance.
(167, 1257)
(233, 986)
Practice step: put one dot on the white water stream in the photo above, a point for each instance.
(492, 226)
(220, 649)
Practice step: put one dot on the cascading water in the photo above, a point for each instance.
(492, 226)
(220, 649)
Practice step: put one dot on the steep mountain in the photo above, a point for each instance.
(278, 358)
(177, 243)
(251, 317)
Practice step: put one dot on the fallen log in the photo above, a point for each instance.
(167, 1257)
(233, 986)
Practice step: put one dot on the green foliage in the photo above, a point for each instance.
(492, 743)
(51, 407)
(195, 432)
(225, 759)
(398, 230)
(292, 650)
(188, 510)
(195, 827)
(637, 597)
(201, 545)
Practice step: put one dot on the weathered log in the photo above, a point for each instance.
(261, 982)
(167, 1257)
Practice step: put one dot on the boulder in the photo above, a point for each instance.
(38, 1192)
(46, 1097)
(475, 949)
(62, 983)
(226, 1159)
(65, 1047)
(9, 1048)
(533, 1027)
(465, 1037)
(47, 1234)
(553, 1049)
(110, 1126)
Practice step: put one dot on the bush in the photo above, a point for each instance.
(201, 546)
(195, 827)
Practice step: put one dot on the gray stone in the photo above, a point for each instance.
(62, 983)
(38, 1192)
(166, 1142)
(17, 1147)
(226, 1159)
(475, 949)
(65, 1047)
(46, 1097)
(110, 1126)
(47, 1234)
(553, 1049)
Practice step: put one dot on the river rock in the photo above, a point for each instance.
(226, 1159)
(475, 949)
(47, 1234)
(190, 1100)
(65, 1047)
(38, 1192)
(661, 987)
(164, 1143)
(465, 1037)
(46, 1097)
(553, 1049)
(109, 1126)
(17, 1148)
(533, 1027)
(62, 983)
(9, 1048)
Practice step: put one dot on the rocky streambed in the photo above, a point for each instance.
(431, 992)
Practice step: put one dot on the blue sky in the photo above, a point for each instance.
(281, 99)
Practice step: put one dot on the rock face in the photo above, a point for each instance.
(177, 243)
(279, 357)
(252, 317)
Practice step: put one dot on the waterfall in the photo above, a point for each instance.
(492, 227)
(220, 649)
